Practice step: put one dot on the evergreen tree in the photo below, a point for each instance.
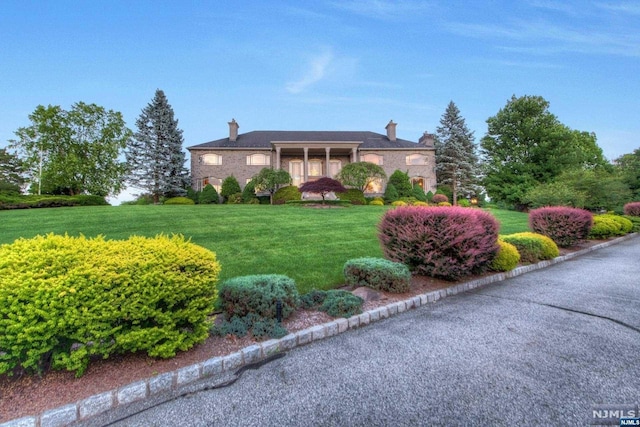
(230, 186)
(402, 183)
(390, 193)
(155, 156)
(12, 172)
(209, 195)
(419, 194)
(249, 192)
(456, 158)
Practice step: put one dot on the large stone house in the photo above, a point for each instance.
(309, 155)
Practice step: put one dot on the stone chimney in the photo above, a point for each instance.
(427, 139)
(233, 130)
(391, 130)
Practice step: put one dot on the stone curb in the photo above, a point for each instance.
(138, 391)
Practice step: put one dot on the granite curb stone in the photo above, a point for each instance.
(139, 390)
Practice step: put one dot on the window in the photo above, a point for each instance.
(376, 159)
(374, 186)
(334, 167)
(215, 183)
(418, 180)
(315, 168)
(417, 159)
(211, 159)
(259, 159)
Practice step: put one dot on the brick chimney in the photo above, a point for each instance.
(391, 130)
(427, 139)
(233, 130)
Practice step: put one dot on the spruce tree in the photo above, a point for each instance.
(456, 158)
(402, 183)
(155, 156)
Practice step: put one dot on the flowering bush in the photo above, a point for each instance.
(443, 242)
(632, 209)
(566, 226)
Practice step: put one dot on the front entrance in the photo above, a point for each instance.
(296, 172)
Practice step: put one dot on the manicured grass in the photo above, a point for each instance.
(309, 245)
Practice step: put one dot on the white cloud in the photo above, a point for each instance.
(385, 9)
(316, 71)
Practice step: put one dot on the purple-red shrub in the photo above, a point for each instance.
(442, 242)
(566, 226)
(632, 209)
(439, 198)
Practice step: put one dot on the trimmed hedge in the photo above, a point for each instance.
(532, 247)
(566, 226)
(15, 201)
(442, 242)
(179, 201)
(285, 194)
(632, 209)
(507, 258)
(258, 294)
(605, 226)
(65, 299)
(355, 196)
(378, 273)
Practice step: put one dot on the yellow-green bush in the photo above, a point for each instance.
(419, 203)
(444, 204)
(609, 225)
(376, 203)
(399, 203)
(533, 247)
(64, 299)
(507, 257)
(179, 201)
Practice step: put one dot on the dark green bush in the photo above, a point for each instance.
(64, 300)
(234, 199)
(209, 195)
(419, 194)
(355, 196)
(635, 220)
(229, 187)
(285, 194)
(18, 201)
(402, 183)
(179, 201)
(390, 193)
(249, 193)
(378, 273)
(258, 294)
(339, 303)
(313, 299)
(258, 326)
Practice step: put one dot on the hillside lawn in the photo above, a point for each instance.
(308, 244)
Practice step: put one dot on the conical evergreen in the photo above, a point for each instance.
(155, 157)
(456, 158)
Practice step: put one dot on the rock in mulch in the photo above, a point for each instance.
(367, 294)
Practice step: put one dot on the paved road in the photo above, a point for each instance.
(539, 349)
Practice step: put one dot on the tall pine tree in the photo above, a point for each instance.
(155, 156)
(456, 158)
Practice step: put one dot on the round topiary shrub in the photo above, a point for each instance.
(419, 203)
(376, 203)
(64, 300)
(287, 193)
(378, 273)
(566, 226)
(532, 247)
(632, 209)
(399, 203)
(179, 201)
(354, 195)
(258, 294)
(442, 242)
(603, 228)
(507, 258)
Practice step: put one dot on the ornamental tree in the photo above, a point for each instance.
(322, 186)
(270, 180)
(360, 174)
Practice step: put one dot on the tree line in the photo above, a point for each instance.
(527, 158)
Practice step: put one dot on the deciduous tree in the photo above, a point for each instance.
(360, 174)
(270, 180)
(323, 186)
(11, 172)
(155, 156)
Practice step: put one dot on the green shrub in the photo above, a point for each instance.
(336, 302)
(339, 303)
(230, 186)
(399, 203)
(285, 194)
(554, 194)
(378, 273)
(419, 203)
(429, 195)
(89, 200)
(507, 258)
(64, 299)
(18, 201)
(402, 183)
(532, 247)
(258, 326)
(635, 220)
(355, 196)
(605, 226)
(390, 193)
(209, 195)
(179, 201)
(464, 203)
(376, 203)
(249, 192)
(419, 194)
(234, 199)
(258, 294)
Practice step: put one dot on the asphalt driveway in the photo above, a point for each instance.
(558, 346)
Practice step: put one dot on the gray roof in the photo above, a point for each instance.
(264, 138)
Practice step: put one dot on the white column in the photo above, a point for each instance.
(327, 161)
(354, 155)
(278, 157)
(305, 165)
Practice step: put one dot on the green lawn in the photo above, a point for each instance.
(309, 245)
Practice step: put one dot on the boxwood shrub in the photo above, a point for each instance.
(566, 226)
(606, 226)
(65, 299)
(507, 258)
(284, 194)
(532, 247)
(635, 220)
(442, 242)
(258, 294)
(378, 273)
(354, 195)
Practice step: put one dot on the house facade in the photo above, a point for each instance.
(309, 155)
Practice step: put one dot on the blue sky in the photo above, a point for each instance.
(326, 65)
